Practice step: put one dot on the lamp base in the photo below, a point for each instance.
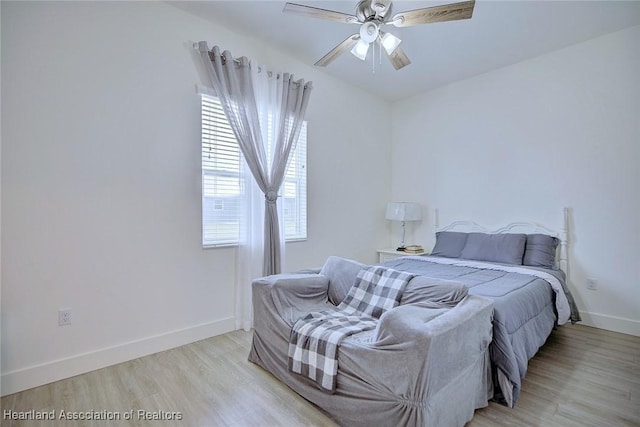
(401, 248)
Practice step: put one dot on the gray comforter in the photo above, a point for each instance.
(525, 312)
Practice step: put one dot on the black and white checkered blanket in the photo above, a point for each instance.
(314, 341)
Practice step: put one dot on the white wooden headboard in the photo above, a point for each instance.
(516, 227)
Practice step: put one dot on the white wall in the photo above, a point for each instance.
(101, 184)
(521, 142)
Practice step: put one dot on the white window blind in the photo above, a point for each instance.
(222, 181)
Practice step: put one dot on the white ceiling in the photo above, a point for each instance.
(499, 33)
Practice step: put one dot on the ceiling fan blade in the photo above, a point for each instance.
(398, 58)
(316, 12)
(346, 45)
(428, 15)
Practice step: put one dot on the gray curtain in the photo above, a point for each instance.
(254, 98)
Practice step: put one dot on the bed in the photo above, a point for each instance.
(522, 267)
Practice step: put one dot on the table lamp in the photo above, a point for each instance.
(403, 211)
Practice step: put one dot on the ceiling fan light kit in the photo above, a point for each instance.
(369, 31)
(360, 50)
(371, 15)
(389, 42)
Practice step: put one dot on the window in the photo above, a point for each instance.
(222, 181)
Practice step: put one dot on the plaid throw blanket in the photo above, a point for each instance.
(314, 341)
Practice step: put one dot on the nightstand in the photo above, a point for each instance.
(389, 253)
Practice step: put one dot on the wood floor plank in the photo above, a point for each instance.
(581, 377)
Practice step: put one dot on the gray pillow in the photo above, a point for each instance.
(449, 244)
(342, 275)
(540, 251)
(504, 248)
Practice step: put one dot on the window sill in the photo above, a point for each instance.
(235, 245)
(220, 246)
(301, 239)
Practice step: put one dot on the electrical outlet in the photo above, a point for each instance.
(592, 283)
(64, 317)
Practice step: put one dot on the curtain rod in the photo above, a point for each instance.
(237, 61)
(197, 47)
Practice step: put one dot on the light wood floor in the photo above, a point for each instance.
(581, 377)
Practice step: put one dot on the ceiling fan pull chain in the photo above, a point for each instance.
(373, 59)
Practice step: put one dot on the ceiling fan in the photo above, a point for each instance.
(371, 15)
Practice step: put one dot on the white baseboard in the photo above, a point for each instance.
(33, 376)
(611, 323)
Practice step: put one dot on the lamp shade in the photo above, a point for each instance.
(390, 42)
(403, 211)
(360, 50)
